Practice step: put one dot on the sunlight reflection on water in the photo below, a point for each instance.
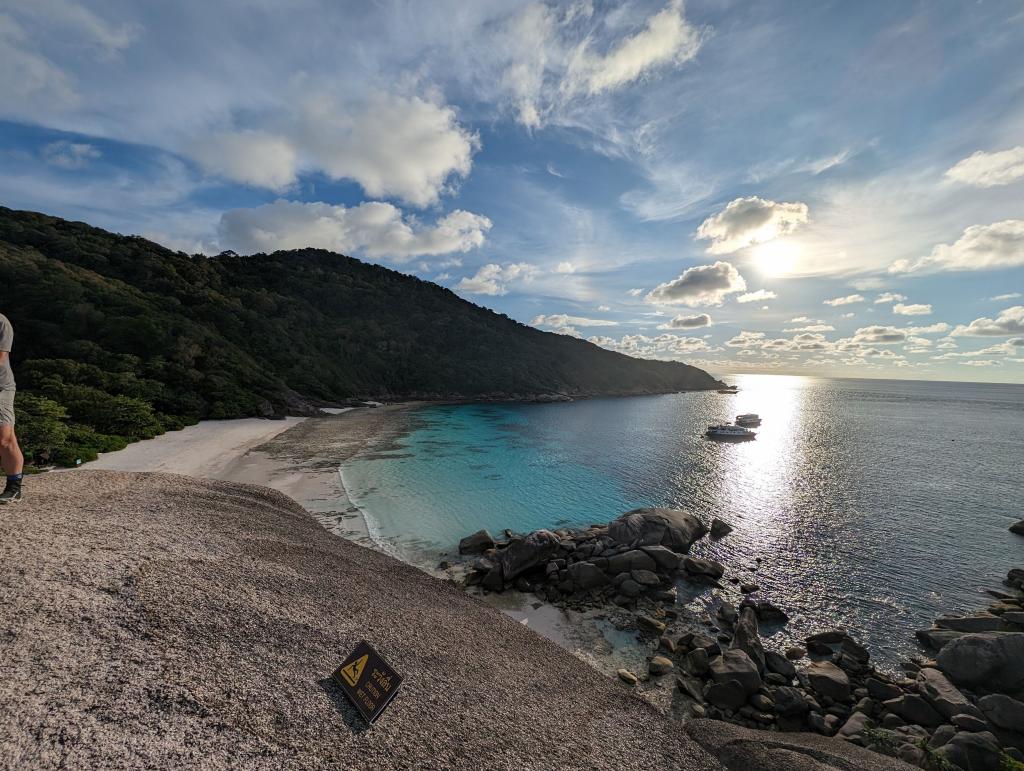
(854, 495)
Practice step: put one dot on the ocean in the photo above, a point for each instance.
(872, 504)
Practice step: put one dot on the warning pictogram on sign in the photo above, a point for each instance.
(354, 671)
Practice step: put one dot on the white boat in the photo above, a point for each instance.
(750, 419)
(729, 432)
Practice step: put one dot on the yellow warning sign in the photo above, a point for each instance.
(370, 694)
(354, 671)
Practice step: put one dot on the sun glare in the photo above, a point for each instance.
(776, 258)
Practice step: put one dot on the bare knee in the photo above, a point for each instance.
(8, 441)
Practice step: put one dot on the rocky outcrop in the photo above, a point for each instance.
(671, 528)
(477, 543)
(633, 559)
(720, 528)
(943, 695)
(1017, 527)
(990, 661)
(743, 749)
(746, 638)
(828, 680)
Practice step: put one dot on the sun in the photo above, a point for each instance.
(776, 258)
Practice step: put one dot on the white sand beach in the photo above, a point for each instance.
(205, 450)
(299, 457)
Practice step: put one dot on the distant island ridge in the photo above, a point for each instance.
(119, 338)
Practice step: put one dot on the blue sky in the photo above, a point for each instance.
(815, 187)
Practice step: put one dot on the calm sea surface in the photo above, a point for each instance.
(875, 504)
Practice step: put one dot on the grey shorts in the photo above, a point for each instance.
(7, 408)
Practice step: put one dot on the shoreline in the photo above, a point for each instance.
(300, 457)
(304, 460)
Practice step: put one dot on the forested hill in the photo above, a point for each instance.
(105, 322)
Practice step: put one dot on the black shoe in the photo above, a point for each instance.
(12, 493)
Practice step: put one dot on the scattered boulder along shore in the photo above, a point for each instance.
(962, 709)
(636, 556)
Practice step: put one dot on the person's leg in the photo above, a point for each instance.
(10, 453)
(11, 459)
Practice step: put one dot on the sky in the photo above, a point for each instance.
(821, 188)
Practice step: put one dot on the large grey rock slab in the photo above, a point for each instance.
(1003, 711)
(672, 528)
(943, 695)
(937, 639)
(666, 559)
(478, 542)
(828, 680)
(699, 566)
(914, 709)
(130, 592)
(779, 664)
(634, 559)
(979, 623)
(736, 665)
(973, 751)
(991, 661)
(586, 575)
(746, 638)
(520, 556)
(745, 749)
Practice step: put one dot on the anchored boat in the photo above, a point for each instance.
(729, 433)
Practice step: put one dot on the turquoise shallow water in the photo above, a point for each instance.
(877, 504)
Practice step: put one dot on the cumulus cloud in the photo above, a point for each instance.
(760, 294)
(687, 322)
(931, 329)
(667, 39)
(394, 146)
(879, 335)
(374, 229)
(981, 247)
(663, 346)
(564, 320)
(813, 328)
(493, 279)
(70, 155)
(915, 309)
(981, 363)
(847, 300)
(746, 339)
(1007, 296)
(635, 292)
(251, 157)
(701, 285)
(565, 267)
(984, 169)
(747, 221)
(889, 297)
(1008, 322)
